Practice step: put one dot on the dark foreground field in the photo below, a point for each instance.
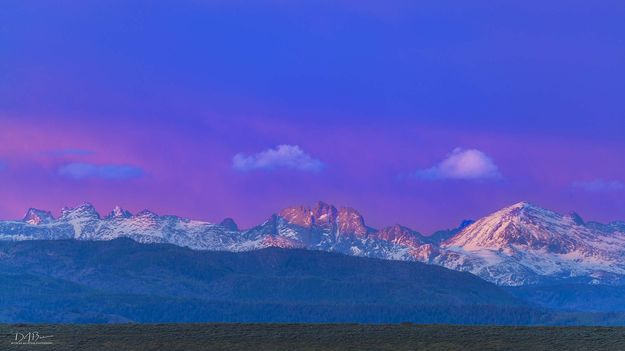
(258, 337)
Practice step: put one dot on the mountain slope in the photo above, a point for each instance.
(67, 275)
(525, 244)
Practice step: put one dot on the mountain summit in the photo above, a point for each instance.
(35, 217)
(524, 243)
(321, 215)
(119, 212)
(521, 225)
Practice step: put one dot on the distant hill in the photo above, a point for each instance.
(122, 280)
(574, 297)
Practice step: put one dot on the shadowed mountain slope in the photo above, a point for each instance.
(118, 280)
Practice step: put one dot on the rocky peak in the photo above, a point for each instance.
(349, 221)
(147, 219)
(119, 212)
(324, 214)
(346, 221)
(85, 210)
(269, 227)
(321, 214)
(298, 215)
(520, 207)
(36, 217)
(520, 225)
(146, 214)
(576, 218)
(229, 224)
(398, 234)
(524, 210)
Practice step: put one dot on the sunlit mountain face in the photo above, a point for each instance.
(412, 113)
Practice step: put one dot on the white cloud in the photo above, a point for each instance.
(599, 185)
(470, 164)
(283, 156)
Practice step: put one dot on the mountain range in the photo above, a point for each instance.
(519, 245)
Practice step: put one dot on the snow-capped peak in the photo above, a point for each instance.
(521, 224)
(36, 217)
(84, 210)
(523, 244)
(229, 224)
(119, 212)
(521, 205)
(146, 213)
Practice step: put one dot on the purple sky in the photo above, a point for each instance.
(416, 114)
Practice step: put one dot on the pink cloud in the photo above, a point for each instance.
(470, 164)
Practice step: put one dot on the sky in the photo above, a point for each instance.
(417, 113)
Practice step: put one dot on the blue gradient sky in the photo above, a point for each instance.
(147, 104)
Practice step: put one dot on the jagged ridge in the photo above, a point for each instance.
(520, 244)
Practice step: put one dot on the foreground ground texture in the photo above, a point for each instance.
(258, 337)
